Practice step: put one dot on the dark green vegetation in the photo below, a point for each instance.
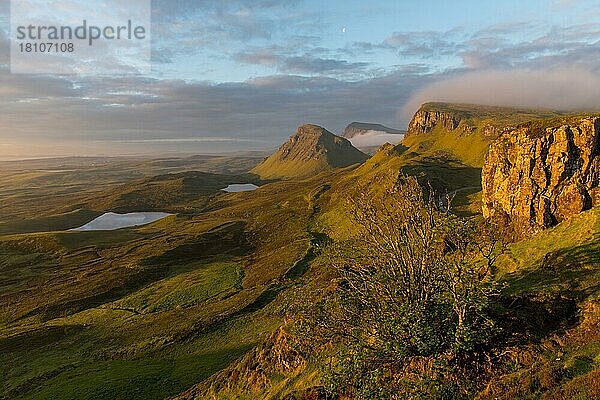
(413, 285)
(205, 302)
(141, 312)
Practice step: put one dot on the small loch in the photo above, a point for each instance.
(112, 221)
(240, 187)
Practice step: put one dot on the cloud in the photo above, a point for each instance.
(500, 46)
(578, 44)
(109, 57)
(375, 138)
(505, 29)
(299, 64)
(196, 26)
(261, 112)
(567, 88)
(309, 64)
(4, 50)
(19, 87)
(176, 8)
(260, 57)
(256, 114)
(423, 44)
(552, 67)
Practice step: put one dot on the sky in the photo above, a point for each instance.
(230, 75)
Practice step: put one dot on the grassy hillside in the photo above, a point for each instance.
(202, 301)
(310, 151)
(549, 282)
(476, 126)
(554, 279)
(147, 312)
(550, 292)
(560, 261)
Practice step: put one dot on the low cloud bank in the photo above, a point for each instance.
(562, 89)
(375, 138)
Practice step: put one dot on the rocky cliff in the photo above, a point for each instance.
(425, 120)
(541, 173)
(489, 121)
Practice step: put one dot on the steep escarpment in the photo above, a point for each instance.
(538, 168)
(490, 121)
(312, 149)
(541, 173)
(464, 131)
(425, 120)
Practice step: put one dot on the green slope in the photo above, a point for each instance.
(310, 151)
(147, 312)
(150, 312)
(470, 132)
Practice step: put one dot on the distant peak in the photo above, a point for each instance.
(310, 150)
(360, 128)
(311, 129)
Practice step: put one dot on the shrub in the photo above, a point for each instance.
(409, 314)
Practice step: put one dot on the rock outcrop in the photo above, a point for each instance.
(312, 149)
(425, 120)
(489, 121)
(538, 175)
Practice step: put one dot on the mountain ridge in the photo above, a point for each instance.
(491, 120)
(355, 129)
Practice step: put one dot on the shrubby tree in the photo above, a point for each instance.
(409, 313)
